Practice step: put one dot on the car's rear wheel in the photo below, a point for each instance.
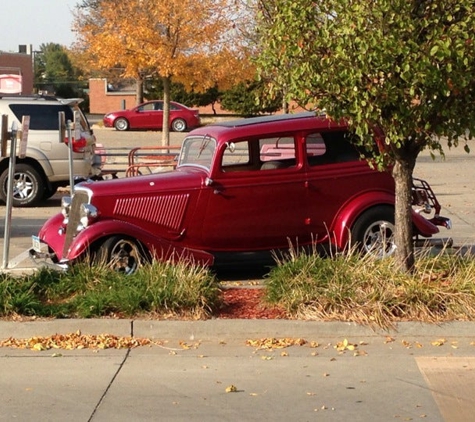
(28, 185)
(178, 125)
(373, 232)
(121, 124)
(121, 254)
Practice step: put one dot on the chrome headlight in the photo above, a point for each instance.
(66, 207)
(87, 214)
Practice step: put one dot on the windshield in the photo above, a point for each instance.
(197, 151)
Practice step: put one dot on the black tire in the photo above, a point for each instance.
(121, 124)
(28, 186)
(121, 254)
(49, 192)
(179, 125)
(373, 232)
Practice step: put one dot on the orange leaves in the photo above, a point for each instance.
(77, 341)
(181, 39)
(274, 343)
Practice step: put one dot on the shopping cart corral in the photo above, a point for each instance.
(126, 162)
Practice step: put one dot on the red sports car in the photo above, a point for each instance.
(149, 115)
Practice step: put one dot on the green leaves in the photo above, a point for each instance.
(399, 63)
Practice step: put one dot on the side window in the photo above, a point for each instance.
(236, 156)
(42, 116)
(277, 153)
(147, 107)
(331, 147)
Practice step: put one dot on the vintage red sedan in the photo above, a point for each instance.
(240, 189)
(149, 116)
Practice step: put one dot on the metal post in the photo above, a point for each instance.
(69, 128)
(8, 210)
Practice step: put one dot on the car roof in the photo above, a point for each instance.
(40, 99)
(279, 123)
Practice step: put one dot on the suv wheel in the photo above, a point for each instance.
(373, 232)
(28, 186)
(121, 124)
(50, 191)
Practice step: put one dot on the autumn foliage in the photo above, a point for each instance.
(195, 43)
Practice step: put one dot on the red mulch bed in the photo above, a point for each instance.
(247, 303)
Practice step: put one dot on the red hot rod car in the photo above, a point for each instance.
(240, 188)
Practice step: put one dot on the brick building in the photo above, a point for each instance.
(103, 100)
(16, 72)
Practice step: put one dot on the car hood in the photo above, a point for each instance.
(188, 178)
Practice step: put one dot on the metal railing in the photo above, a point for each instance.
(136, 161)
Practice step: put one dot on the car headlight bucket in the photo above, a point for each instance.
(87, 214)
(66, 207)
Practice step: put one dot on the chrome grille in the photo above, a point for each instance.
(79, 198)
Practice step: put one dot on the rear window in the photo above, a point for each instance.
(42, 116)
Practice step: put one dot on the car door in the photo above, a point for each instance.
(335, 175)
(148, 116)
(254, 205)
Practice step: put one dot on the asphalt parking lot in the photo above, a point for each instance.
(451, 179)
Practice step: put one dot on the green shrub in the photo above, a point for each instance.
(85, 291)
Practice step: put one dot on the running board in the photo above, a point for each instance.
(434, 243)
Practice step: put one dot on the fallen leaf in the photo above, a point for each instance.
(274, 343)
(231, 389)
(345, 345)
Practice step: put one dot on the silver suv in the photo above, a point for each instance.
(46, 165)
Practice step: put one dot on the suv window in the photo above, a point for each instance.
(42, 116)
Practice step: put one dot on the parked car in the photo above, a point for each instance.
(240, 189)
(46, 164)
(149, 115)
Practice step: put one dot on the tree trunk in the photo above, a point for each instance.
(402, 174)
(139, 90)
(166, 112)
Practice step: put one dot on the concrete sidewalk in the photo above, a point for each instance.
(420, 371)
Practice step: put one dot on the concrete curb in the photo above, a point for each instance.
(231, 329)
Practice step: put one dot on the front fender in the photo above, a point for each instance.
(160, 249)
(348, 214)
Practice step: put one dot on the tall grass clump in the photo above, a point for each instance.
(84, 291)
(351, 287)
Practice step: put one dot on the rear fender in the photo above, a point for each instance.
(160, 249)
(352, 210)
(422, 226)
(349, 213)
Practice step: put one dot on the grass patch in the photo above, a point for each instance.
(349, 287)
(163, 289)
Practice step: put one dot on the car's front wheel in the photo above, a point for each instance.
(28, 185)
(373, 232)
(121, 124)
(121, 254)
(178, 125)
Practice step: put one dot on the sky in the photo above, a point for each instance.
(35, 22)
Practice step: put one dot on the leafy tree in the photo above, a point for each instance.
(186, 41)
(404, 66)
(179, 93)
(53, 67)
(249, 99)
